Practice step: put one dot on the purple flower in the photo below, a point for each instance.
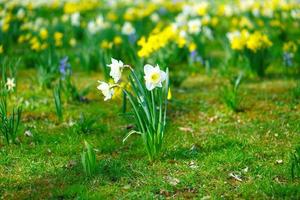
(132, 38)
(195, 58)
(162, 11)
(64, 66)
(288, 59)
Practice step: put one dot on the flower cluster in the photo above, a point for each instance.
(154, 77)
(244, 40)
(156, 40)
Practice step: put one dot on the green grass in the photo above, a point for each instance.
(205, 143)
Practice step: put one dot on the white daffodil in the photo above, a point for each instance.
(75, 19)
(10, 83)
(194, 26)
(92, 28)
(128, 29)
(116, 69)
(154, 76)
(106, 90)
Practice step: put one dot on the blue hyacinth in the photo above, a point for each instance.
(64, 66)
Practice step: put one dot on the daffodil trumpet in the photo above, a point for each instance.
(148, 101)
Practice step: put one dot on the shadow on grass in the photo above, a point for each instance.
(68, 182)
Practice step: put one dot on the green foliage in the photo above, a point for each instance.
(58, 102)
(88, 160)
(296, 91)
(258, 61)
(85, 124)
(150, 110)
(295, 163)
(47, 68)
(230, 94)
(9, 122)
(72, 91)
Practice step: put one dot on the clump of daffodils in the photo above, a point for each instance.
(148, 96)
(253, 46)
(157, 40)
(258, 41)
(244, 40)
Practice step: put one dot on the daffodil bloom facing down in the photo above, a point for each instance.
(106, 89)
(116, 69)
(153, 76)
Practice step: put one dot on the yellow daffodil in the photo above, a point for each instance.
(72, 42)
(192, 47)
(106, 45)
(43, 34)
(290, 47)
(117, 40)
(58, 38)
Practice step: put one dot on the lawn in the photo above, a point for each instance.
(209, 151)
(149, 99)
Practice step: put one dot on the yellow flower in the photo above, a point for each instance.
(238, 39)
(169, 94)
(258, 41)
(214, 21)
(106, 45)
(58, 38)
(245, 22)
(43, 34)
(36, 46)
(5, 27)
(181, 41)
(112, 16)
(118, 91)
(72, 42)
(117, 40)
(156, 40)
(234, 21)
(192, 47)
(21, 39)
(1, 49)
(290, 47)
(202, 8)
(237, 44)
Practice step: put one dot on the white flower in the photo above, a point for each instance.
(154, 17)
(128, 29)
(92, 28)
(208, 33)
(194, 26)
(21, 13)
(154, 76)
(101, 23)
(232, 35)
(10, 83)
(75, 19)
(106, 90)
(116, 69)
(28, 133)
